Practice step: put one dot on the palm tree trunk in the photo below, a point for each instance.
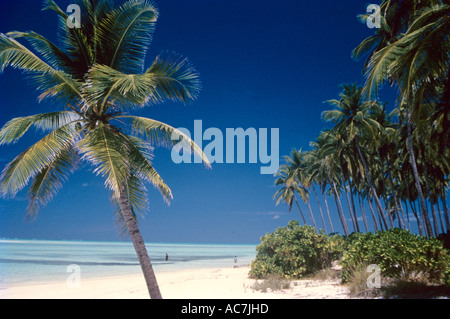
(412, 159)
(419, 223)
(363, 212)
(435, 219)
(301, 213)
(400, 211)
(139, 246)
(340, 211)
(428, 190)
(354, 210)
(372, 186)
(444, 207)
(375, 223)
(398, 204)
(350, 209)
(320, 209)
(328, 211)
(407, 216)
(389, 208)
(390, 213)
(312, 215)
(440, 217)
(344, 225)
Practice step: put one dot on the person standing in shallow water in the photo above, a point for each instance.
(167, 257)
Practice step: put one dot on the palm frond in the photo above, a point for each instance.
(159, 133)
(139, 155)
(332, 115)
(14, 129)
(422, 62)
(14, 54)
(125, 34)
(74, 41)
(365, 47)
(18, 172)
(106, 86)
(105, 150)
(51, 81)
(139, 158)
(379, 67)
(173, 80)
(428, 15)
(394, 60)
(48, 181)
(175, 77)
(49, 51)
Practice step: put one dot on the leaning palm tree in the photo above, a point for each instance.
(358, 130)
(286, 193)
(328, 146)
(318, 172)
(312, 167)
(296, 162)
(97, 76)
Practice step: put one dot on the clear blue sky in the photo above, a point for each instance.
(263, 64)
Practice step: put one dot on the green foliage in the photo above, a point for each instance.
(397, 252)
(335, 246)
(446, 276)
(292, 252)
(295, 251)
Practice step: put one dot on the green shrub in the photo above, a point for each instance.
(446, 276)
(335, 246)
(397, 252)
(293, 252)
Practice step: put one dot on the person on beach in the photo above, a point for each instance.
(167, 257)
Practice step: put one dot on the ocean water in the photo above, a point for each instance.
(37, 261)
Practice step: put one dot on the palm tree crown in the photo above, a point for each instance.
(94, 74)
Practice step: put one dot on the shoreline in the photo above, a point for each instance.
(207, 283)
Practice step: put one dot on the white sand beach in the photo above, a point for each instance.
(216, 283)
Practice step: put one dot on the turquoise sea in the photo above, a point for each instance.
(37, 261)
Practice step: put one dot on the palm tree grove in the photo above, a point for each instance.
(370, 189)
(380, 167)
(395, 161)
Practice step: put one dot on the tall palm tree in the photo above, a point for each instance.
(355, 127)
(326, 146)
(296, 161)
(417, 61)
(311, 163)
(97, 75)
(318, 173)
